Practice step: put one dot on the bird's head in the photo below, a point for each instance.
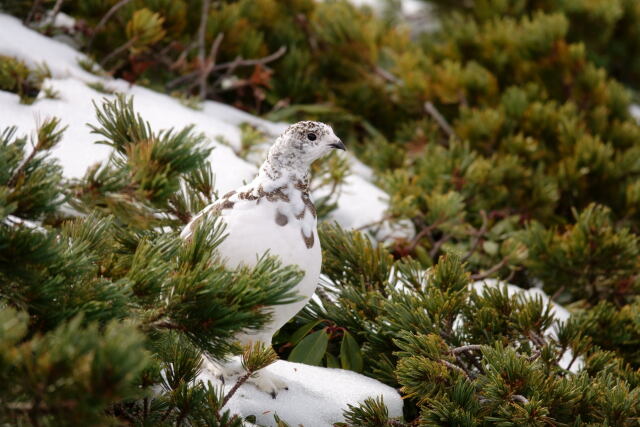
(303, 143)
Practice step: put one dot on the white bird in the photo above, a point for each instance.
(275, 213)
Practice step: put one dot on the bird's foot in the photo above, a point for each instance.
(268, 382)
(231, 371)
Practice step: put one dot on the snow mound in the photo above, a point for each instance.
(316, 396)
(360, 202)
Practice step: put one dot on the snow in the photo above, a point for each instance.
(634, 110)
(326, 391)
(360, 202)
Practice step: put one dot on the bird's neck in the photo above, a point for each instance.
(283, 171)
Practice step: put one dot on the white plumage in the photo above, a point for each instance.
(274, 213)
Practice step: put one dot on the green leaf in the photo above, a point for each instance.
(490, 247)
(332, 362)
(311, 349)
(302, 332)
(350, 354)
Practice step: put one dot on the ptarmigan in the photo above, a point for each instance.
(275, 213)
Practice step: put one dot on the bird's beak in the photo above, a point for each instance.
(338, 144)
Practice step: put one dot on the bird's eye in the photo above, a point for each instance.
(311, 136)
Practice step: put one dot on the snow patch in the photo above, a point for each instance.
(316, 396)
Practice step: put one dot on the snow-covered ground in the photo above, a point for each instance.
(316, 397)
(359, 202)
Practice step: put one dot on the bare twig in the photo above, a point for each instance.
(235, 388)
(519, 398)
(537, 339)
(386, 75)
(105, 18)
(470, 347)
(479, 234)
(167, 324)
(534, 356)
(374, 223)
(489, 272)
(241, 62)
(228, 66)
(454, 367)
(303, 22)
(118, 51)
(32, 11)
(202, 31)
(573, 359)
(436, 247)
(182, 79)
(439, 118)
(55, 11)
(557, 293)
(424, 232)
(210, 62)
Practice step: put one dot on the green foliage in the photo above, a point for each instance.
(503, 138)
(614, 46)
(16, 77)
(46, 375)
(592, 256)
(106, 317)
(467, 358)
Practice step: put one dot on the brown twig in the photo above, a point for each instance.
(167, 324)
(537, 339)
(386, 75)
(209, 65)
(202, 31)
(439, 118)
(454, 367)
(424, 232)
(557, 293)
(241, 62)
(489, 272)
(470, 347)
(534, 356)
(228, 66)
(118, 51)
(235, 388)
(573, 359)
(437, 245)
(105, 18)
(55, 11)
(479, 234)
(519, 398)
(36, 5)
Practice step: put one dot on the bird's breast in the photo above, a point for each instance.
(276, 228)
